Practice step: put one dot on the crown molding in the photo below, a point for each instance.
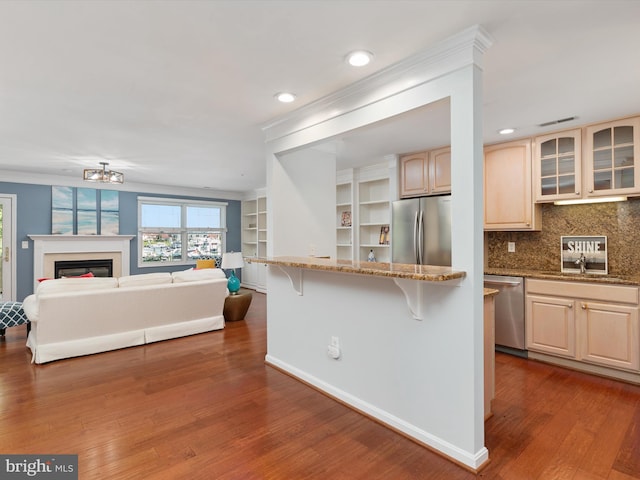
(458, 51)
(13, 176)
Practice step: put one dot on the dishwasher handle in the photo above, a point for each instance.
(502, 282)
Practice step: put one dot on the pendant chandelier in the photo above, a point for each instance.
(103, 175)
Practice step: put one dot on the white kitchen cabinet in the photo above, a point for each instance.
(508, 195)
(588, 322)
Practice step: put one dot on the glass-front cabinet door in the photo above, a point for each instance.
(556, 166)
(612, 152)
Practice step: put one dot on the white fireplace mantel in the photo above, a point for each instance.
(77, 244)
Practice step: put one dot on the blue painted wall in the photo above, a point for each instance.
(34, 218)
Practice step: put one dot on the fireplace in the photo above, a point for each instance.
(75, 268)
(50, 249)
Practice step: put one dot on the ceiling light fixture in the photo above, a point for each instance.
(506, 131)
(102, 175)
(285, 97)
(359, 58)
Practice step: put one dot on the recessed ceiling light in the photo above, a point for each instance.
(506, 131)
(285, 97)
(359, 58)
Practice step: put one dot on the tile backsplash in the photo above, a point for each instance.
(619, 222)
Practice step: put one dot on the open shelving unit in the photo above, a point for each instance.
(254, 241)
(374, 216)
(344, 219)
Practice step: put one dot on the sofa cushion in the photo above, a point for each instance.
(192, 275)
(157, 278)
(76, 284)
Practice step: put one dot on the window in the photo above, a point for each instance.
(179, 231)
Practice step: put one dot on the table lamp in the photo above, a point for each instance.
(231, 261)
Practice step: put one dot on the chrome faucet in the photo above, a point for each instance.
(582, 261)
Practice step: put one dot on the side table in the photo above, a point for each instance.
(236, 306)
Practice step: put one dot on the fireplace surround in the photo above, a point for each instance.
(47, 249)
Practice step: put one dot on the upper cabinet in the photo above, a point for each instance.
(414, 174)
(593, 161)
(611, 152)
(425, 173)
(440, 170)
(508, 196)
(557, 166)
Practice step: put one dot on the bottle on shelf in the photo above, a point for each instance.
(371, 257)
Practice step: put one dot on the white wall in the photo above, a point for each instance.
(303, 204)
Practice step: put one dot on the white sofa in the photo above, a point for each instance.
(80, 316)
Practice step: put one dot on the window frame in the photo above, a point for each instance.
(183, 231)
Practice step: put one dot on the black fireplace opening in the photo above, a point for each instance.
(75, 268)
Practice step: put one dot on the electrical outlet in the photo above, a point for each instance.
(333, 349)
(511, 247)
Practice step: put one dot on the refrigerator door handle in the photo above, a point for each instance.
(415, 237)
(421, 238)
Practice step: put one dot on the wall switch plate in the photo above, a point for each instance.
(25, 244)
(511, 247)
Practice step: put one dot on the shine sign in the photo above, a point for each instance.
(584, 254)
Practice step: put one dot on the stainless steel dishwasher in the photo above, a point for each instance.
(509, 313)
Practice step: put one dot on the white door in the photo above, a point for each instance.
(7, 243)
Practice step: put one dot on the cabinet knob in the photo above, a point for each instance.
(570, 305)
(590, 191)
(584, 306)
(578, 193)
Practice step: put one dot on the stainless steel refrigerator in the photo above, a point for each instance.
(421, 231)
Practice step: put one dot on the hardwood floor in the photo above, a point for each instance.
(206, 407)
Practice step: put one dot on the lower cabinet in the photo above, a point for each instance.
(610, 335)
(587, 322)
(551, 325)
(254, 276)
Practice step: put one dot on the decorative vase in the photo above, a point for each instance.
(233, 284)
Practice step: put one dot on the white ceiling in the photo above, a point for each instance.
(175, 92)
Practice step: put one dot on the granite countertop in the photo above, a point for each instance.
(490, 292)
(429, 273)
(556, 275)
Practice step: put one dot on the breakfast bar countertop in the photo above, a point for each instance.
(428, 273)
(557, 275)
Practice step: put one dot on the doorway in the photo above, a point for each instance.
(7, 247)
